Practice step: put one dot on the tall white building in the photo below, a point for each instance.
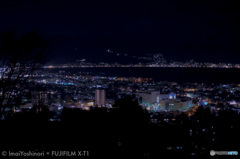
(100, 97)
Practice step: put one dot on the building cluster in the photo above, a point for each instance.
(85, 90)
(156, 101)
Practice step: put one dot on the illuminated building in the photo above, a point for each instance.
(151, 100)
(100, 97)
(149, 97)
(39, 98)
(176, 104)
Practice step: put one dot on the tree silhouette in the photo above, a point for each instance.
(130, 114)
(19, 57)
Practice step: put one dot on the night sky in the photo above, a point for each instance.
(180, 30)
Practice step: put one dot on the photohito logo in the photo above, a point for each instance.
(4, 153)
(212, 152)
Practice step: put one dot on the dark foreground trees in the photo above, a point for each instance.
(19, 57)
(119, 132)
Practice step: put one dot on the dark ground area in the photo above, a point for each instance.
(119, 133)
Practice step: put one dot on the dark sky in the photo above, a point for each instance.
(180, 30)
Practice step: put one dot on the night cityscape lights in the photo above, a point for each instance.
(141, 79)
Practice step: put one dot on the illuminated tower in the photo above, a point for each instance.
(100, 97)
